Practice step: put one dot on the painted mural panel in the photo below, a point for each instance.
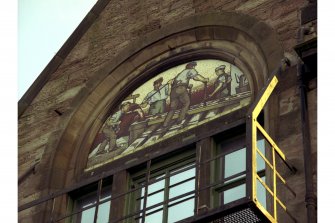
(172, 102)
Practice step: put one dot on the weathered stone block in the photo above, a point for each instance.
(289, 101)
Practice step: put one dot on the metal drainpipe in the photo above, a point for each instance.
(310, 197)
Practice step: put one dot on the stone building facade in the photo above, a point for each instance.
(120, 45)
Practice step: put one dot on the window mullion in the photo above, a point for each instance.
(166, 196)
(146, 190)
(197, 179)
(223, 175)
(97, 201)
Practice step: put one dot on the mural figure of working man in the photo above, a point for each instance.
(117, 125)
(157, 97)
(180, 94)
(109, 131)
(222, 85)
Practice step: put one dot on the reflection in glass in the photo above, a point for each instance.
(184, 209)
(164, 189)
(155, 199)
(154, 218)
(156, 186)
(234, 194)
(260, 160)
(264, 146)
(182, 176)
(182, 189)
(235, 162)
(261, 193)
(87, 216)
(103, 212)
(181, 211)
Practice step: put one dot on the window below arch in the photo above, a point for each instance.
(165, 192)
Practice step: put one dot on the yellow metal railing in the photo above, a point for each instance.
(272, 166)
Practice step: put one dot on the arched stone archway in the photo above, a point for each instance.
(239, 39)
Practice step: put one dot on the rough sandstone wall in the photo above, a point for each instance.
(40, 127)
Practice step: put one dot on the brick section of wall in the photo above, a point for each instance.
(121, 23)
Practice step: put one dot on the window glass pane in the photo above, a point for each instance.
(154, 218)
(182, 189)
(155, 199)
(235, 162)
(234, 194)
(156, 186)
(87, 216)
(175, 185)
(261, 145)
(103, 212)
(260, 160)
(264, 146)
(181, 211)
(182, 176)
(261, 193)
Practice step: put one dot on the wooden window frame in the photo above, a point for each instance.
(96, 189)
(160, 165)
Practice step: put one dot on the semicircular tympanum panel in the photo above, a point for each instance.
(174, 101)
